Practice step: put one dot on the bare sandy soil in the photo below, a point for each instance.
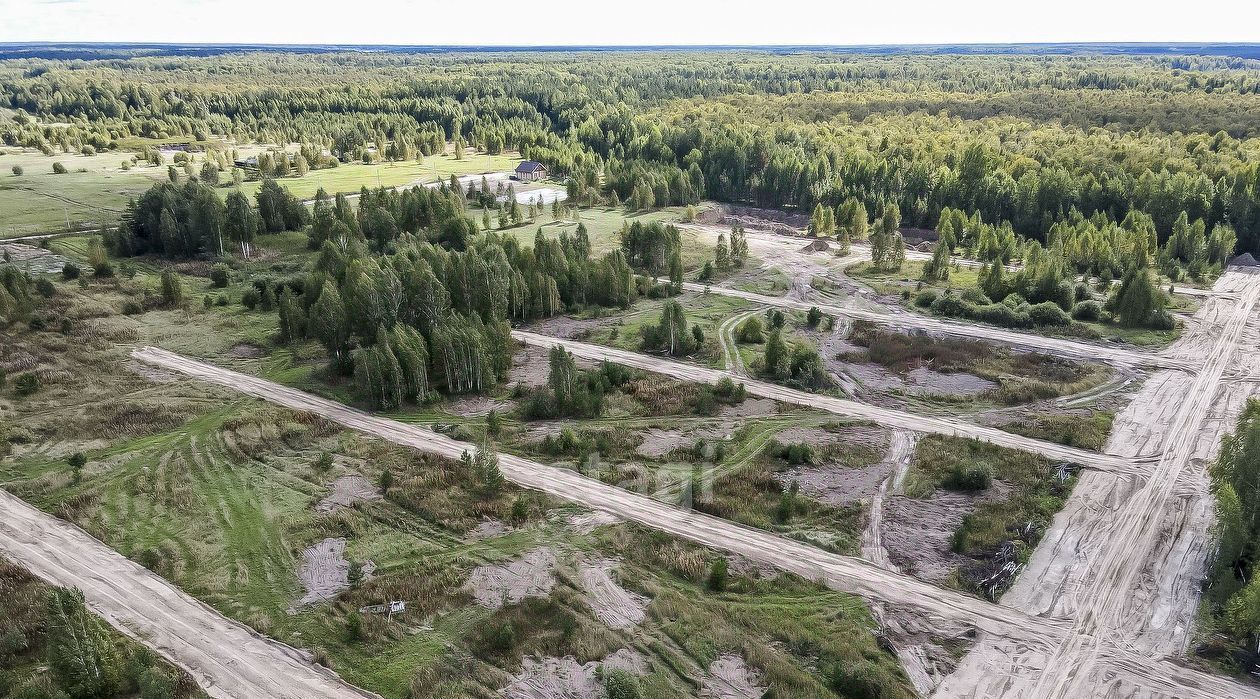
(731, 678)
(565, 678)
(346, 491)
(944, 608)
(531, 575)
(30, 258)
(1125, 556)
(324, 572)
(226, 659)
(614, 605)
(587, 522)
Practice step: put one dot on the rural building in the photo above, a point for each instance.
(530, 170)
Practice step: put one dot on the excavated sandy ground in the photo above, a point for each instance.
(614, 605)
(731, 678)
(324, 572)
(1125, 556)
(531, 575)
(346, 491)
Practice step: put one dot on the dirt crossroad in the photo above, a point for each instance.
(1039, 635)
(841, 406)
(1125, 557)
(226, 659)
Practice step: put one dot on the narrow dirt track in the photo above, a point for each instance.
(1037, 634)
(840, 406)
(228, 660)
(1096, 352)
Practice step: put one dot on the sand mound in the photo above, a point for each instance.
(346, 491)
(1244, 260)
(508, 583)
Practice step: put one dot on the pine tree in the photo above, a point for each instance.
(776, 355)
(81, 655)
(722, 255)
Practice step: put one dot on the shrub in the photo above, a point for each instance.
(71, 271)
(219, 276)
(59, 169)
(1087, 311)
(975, 296)
(26, 384)
(750, 331)
(717, 575)
(156, 683)
(925, 298)
(619, 684)
(250, 298)
(132, 308)
(969, 478)
(1048, 313)
(45, 287)
(17, 171)
(949, 305)
(222, 300)
(1003, 315)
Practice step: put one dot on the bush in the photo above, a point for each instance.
(619, 684)
(925, 298)
(717, 575)
(219, 276)
(59, 169)
(155, 683)
(132, 308)
(71, 271)
(949, 305)
(250, 298)
(45, 288)
(969, 478)
(1087, 311)
(17, 171)
(750, 331)
(1048, 313)
(26, 384)
(974, 295)
(1003, 315)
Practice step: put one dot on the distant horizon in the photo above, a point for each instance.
(510, 24)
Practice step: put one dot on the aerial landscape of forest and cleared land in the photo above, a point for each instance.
(407, 373)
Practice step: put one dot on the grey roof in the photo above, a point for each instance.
(530, 166)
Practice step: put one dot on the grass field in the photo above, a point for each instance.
(95, 189)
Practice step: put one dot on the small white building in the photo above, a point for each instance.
(530, 170)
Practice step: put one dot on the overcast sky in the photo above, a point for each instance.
(551, 22)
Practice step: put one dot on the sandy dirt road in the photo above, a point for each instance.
(846, 408)
(1037, 634)
(1124, 558)
(226, 659)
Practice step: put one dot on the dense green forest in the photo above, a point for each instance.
(1028, 140)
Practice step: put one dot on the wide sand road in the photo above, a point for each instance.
(227, 659)
(848, 574)
(840, 406)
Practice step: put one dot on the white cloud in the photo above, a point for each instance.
(570, 22)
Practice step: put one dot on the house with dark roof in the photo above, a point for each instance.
(530, 170)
